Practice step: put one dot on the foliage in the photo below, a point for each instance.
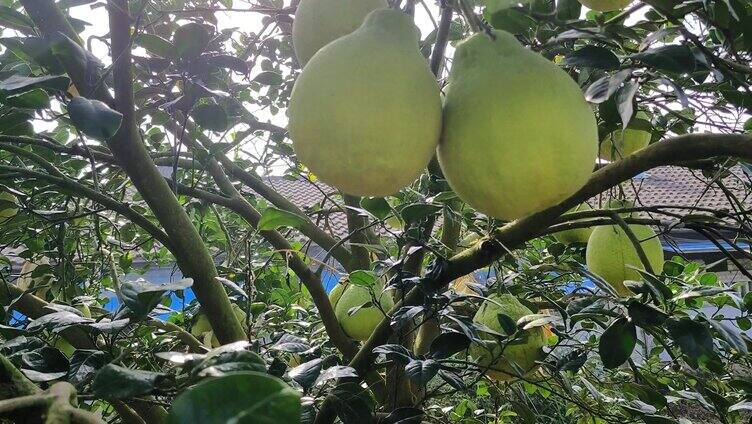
(209, 101)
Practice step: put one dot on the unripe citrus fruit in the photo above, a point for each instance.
(578, 235)
(365, 113)
(518, 135)
(319, 22)
(360, 325)
(497, 357)
(610, 254)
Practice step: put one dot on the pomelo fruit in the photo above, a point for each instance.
(621, 204)
(622, 143)
(605, 5)
(610, 254)
(319, 22)
(202, 330)
(518, 135)
(27, 278)
(498, 357)
(336, 293)
(579, 235)
(365, 113)
(361, 324)
(8, 206)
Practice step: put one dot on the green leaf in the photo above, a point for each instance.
(617, 343)
(568, 9)
(94, 118)
(645, 315)
(602, 89)
(510, 20)
(268, 78)
(362, 278)
(376, 206)
(592, 57)
(34, 99)
(741, 406)
(115, 382)
(274, 218)
(190, 40)
(672, 58)
(731, 334)
(418, 211)
(693, 338)
(242, 398)
(12, 18)
(21, 83)
(354, 404)
(493, 6)
(141, 296)
(34, 50)
(210, 116)
(156, 45)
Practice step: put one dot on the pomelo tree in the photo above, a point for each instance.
(160, 134)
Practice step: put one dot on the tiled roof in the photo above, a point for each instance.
(669, 185)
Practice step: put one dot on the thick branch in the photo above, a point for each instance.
(667, 152)
(130, 152)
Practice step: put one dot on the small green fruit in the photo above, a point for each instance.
(518, 135)
(579, 235)
(621, 204)
(610, 254)
(622, 143)
(605, 5)
(8, 206)
(365, 113)
(202, 329)
(498, 358)
(319, 22)
(361, 324)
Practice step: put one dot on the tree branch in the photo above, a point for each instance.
(667, 152)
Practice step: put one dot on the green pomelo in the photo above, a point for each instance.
(361, 324)
(8, 206)
(605, 5)
(610, 254)
(621, 204)
(202, 329)
(497, 357)
(28, 280)
(336, 293)
(622, 143)
(319, 22)
(579, 235)
(365, 113)
(518, 135)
